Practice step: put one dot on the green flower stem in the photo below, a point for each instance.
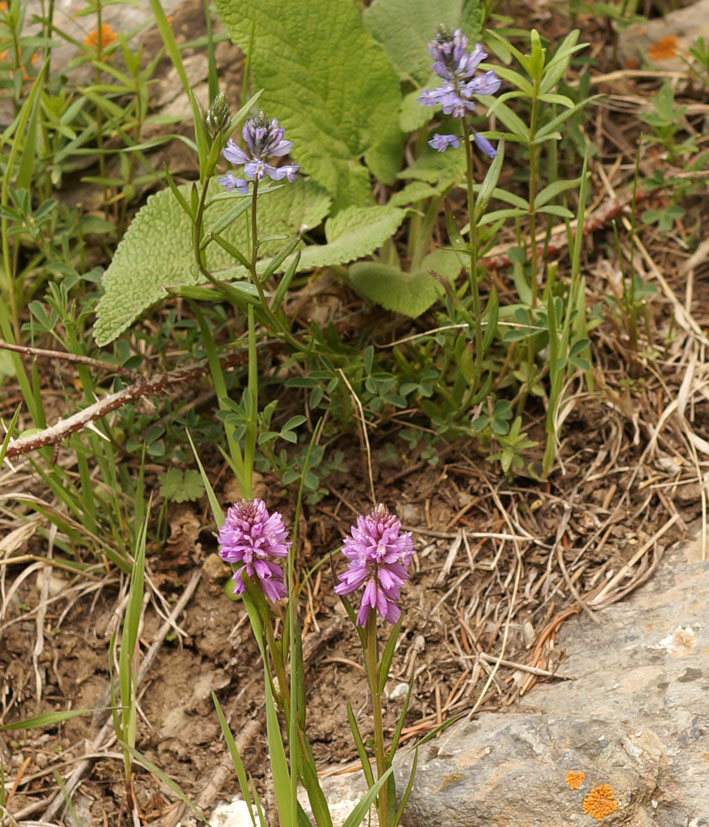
(370, 654)
(283, 695)
(276, 323)
(534, 260)
(533, 174)
(251, 433)
(473, 267)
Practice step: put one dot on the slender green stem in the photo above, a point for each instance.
(534, 259)
(533, 174)
(473, 267)
(132, 161)
(197, 234)
(251, 434)
(371, 656)
(283, 697)
(99, 112)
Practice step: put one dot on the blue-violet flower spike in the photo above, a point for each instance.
(379, 555)
(456, 66)
(441, 142)
(253, 537)
(263, 139)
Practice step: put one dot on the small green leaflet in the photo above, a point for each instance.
(408, 293)
(181, 487)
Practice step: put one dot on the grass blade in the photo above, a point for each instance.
(235, 757)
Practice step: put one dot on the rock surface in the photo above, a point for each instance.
(625, 742)
(660, 42)
(635, 717)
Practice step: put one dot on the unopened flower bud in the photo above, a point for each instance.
(218, 116)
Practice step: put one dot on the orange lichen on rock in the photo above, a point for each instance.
(600, 802)
(99, 40)
(664, 49)
(575, 779)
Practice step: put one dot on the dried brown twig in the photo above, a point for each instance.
(145, 386)
(70, 357)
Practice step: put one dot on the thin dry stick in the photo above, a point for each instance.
(473, 535)
(627, 568)
(45, 575)
(41, 353)
(106, 731)
(364, 433)
(523, 667)
(568, 507)
(76, 422)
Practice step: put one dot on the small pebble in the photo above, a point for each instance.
(399, 691)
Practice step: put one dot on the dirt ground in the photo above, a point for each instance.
(471, 599)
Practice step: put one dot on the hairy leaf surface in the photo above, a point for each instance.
(156, 252)
(409, 293)
(326, 80)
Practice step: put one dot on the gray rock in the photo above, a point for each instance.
(674, 33)
(636, 717)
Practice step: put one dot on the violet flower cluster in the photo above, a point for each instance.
(263, 139)
(379, 555)
(253, 537)
(457, 67)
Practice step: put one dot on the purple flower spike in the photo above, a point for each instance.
(378, 556)
(441, 142)
(457, 67)
(263, 139)
(450, 55)
(251, 536)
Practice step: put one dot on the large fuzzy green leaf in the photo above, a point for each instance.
(439, 168)
(404, 28)
(325, 79)
(156, 252)
(408, 293)
(353, 233)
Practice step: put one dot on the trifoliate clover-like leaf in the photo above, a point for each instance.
(179, 487)
(156, 253)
